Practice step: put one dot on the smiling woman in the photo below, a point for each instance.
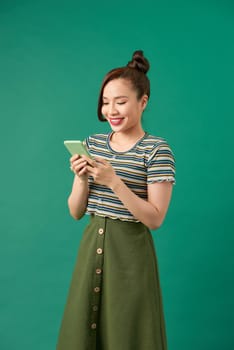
(115, 300)
(121, 107)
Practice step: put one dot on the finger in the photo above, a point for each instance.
(79, 162)
(77, 168)
(90, 170)
(101, 160)
(82, 172)
(89, 160)
(74, 157)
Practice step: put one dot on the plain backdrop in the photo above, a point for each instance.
(53, 56)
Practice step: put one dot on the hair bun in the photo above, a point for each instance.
(139, 62)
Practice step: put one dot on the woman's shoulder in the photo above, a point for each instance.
(151, 141)
(154, 139)
(156, 146)
(160, 159)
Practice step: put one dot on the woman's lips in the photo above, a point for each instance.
(116, 121)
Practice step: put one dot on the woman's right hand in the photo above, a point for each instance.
(78, 166)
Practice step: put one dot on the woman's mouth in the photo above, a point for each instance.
(116, 121)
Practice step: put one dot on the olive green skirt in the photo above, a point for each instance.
(114, 301)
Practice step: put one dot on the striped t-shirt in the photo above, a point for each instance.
(149, 160)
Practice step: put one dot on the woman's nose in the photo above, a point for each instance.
(112, 109)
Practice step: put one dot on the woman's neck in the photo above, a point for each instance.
(121, 141)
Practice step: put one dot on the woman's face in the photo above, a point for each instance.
(120, 105)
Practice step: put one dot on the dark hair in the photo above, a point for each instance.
(135, 72)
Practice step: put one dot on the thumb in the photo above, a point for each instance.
(101, 160)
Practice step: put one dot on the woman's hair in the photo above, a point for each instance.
(135, 72)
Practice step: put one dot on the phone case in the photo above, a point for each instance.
(76, 147)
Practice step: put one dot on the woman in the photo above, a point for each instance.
(114, 302)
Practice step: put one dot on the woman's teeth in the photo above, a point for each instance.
(116, 121)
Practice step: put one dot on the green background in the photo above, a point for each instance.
(53, 56)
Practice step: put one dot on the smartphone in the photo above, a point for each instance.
(76, 147)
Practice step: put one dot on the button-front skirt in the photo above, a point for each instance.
(114, 301)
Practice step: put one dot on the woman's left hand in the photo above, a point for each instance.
(102, 172)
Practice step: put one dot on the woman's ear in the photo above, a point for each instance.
(144, 101)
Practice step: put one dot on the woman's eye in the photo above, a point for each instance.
(104, 103)
(121, 103)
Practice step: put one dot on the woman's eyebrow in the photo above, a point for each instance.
(121, 96)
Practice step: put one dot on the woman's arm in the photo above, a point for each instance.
(150, 212)
(78, 199)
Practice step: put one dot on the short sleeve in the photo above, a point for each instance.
(161, 164)
(86, 141)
